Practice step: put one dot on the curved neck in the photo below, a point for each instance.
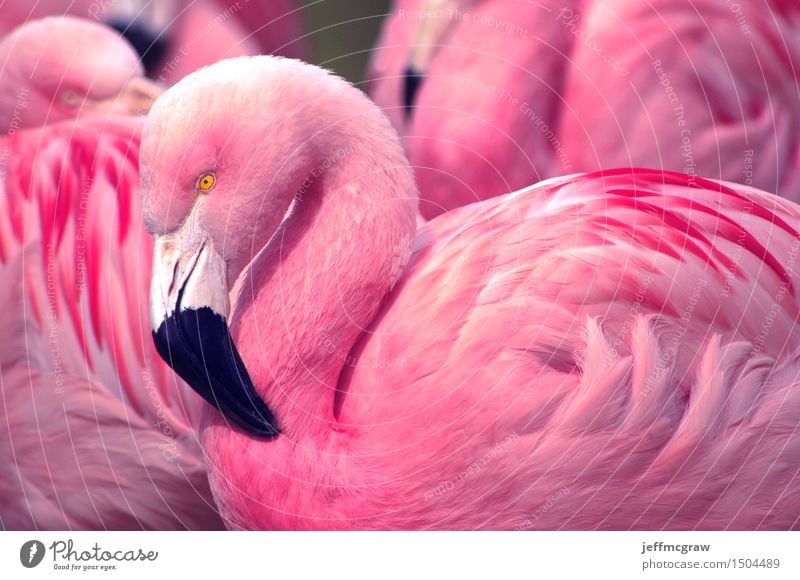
(315, 287)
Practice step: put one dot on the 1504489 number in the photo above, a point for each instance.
(757, 563)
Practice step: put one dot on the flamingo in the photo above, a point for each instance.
(51, 70)
(276, 26)
(176, 37)
(713, 90)
(15, 13)
(612, 350)
(492, 95)
(95, 435)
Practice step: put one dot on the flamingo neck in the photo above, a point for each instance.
(318, 283)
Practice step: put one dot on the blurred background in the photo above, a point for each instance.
(343, 32)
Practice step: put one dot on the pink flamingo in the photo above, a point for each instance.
(177, 37)
(202, 32)
(189, 35)
(492, 95)
(15, 13)
(454, 88)
(607, 350)
(50, 71)
(713, 90)
(95, 437)
(276, 26)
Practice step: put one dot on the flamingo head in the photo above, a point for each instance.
(224, 153)
(62, 67)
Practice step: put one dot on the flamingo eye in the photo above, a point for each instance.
(206, 182)
(70, 98)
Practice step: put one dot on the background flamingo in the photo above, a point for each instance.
(202, 32)
(492, 95)
(176, 37)
(95, 434)
(50, 71)
(623, 341)
(712, 91)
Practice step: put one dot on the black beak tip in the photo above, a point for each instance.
(198, 346)
(412, 80)
(150, 45)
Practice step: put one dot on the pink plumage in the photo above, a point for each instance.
(613, 350)
(513, 92)
(15, 13)
(98, 436)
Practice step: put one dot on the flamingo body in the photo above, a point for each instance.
(97, 437)
(620, 347)
(517, 93)
(712, 91)
(582, 343)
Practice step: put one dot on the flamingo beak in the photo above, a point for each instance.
(135, 98)
(437, 20)
(412, 80)
(189, 308)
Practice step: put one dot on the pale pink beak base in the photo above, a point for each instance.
(136, 98)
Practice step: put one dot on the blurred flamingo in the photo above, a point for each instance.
(181, 36)
(623, 341)
(95, 435)
(177, 37)
(492, 95)
(713, 90)
(15, 13)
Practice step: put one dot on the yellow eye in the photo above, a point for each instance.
(206, 182)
